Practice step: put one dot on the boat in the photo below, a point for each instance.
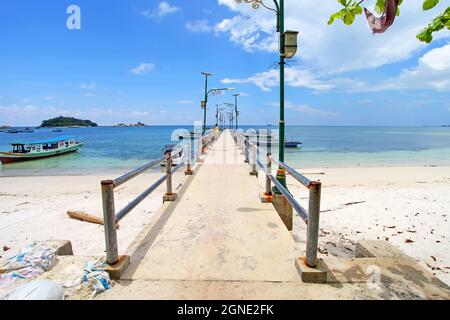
(27, 130)
(4, 128)
(57, 130)
(177, 154)
(12, 131)
(23, 151)
(292, 143)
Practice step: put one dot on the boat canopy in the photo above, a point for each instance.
(50, 140)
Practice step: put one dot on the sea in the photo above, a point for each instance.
(119, 149)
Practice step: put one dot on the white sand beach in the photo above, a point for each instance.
(407, 206)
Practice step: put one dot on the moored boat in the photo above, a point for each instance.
(292, 143)
(23, 151)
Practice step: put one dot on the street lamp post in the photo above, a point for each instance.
(286, 51)
(205, 102)
(214, 91)
(217, 115)
(236, 108)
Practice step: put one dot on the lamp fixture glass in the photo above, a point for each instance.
(290, 43)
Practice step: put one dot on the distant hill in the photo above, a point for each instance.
(67, 122)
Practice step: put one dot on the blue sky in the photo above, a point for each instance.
(136, 60)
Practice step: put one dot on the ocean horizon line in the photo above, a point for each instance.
(247, 125)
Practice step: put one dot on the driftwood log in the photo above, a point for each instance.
(82, 216)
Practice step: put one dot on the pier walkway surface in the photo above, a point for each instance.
(219, 241)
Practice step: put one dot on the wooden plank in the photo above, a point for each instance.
(82, 216)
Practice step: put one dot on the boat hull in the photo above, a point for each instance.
(6, 157)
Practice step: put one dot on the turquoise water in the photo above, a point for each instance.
(121, 148)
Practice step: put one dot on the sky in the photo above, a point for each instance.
(141, 60)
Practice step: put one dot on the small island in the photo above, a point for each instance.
(139, 124)
(67, 122)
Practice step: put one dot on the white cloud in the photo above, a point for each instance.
(367, 102)
(143, 68)
(163, 9)
(335, 48)
(438, 59)
(30, 108)
(50, 97)
(306, 109)
(199, 26)
(90, 95)
(139, 113)
(90, 86)
(185, 102)
(296, 77)
(26, 100)
(432, 72)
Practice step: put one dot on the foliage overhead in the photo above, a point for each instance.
(352, 8)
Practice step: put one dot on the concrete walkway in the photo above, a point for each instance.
(219, 229)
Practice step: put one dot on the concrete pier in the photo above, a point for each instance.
(218, 240)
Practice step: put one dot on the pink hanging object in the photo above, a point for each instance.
(381, 24)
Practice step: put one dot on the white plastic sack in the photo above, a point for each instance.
(37, 290)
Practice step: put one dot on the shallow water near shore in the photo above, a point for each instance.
(112, 149)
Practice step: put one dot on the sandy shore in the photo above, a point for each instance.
(407, 206)
(35, 209)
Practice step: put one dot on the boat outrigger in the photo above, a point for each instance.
(57, 146)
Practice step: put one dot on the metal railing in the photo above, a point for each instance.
(311, 216)
(111, 218)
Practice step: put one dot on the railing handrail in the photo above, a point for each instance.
(111, 218)
(294, 173)
(310, 216)
(133, 174)
(136, 201)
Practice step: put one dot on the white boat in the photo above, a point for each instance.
(33, 150)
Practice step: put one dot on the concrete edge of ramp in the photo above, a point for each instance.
(260, 290)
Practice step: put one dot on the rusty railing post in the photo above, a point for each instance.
(312, 240)
(188, 171)
(169, 196)
(246, 151)
(254, 172)
(109, 220)
(268, 173)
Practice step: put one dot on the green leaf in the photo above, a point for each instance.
(429, 4)
(334, 16)
(438, 23)
(379, 6)
(349, 17)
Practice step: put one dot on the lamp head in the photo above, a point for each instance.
(290, 43)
